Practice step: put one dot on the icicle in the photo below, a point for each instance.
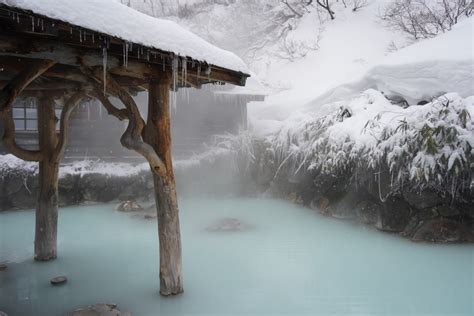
(125, 54)
(148, 55)
(18, 18)
(183, 62)
(42, 25)
(174, 69)
(70, 30)
(80, 36)
(93, 38)
(32, 23)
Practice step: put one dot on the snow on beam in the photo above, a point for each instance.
(116, 21)
(41, 48)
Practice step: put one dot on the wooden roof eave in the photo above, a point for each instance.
(51, 41)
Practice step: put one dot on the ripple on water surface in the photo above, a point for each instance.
(281, 260)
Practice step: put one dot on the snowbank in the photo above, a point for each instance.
(115, 19)
(429, 145)
(419, 72)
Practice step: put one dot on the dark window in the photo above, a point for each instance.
(25, 115)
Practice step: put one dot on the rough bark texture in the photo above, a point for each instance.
(47, 207)
(132, 138)
(8, 95)
(158, 135)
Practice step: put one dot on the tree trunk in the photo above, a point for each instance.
(47, 208)
(158, 135)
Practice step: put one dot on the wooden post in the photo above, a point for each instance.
(47, 208)
(244, 115)
(158, 135)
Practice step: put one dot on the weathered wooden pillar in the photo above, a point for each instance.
(158, 135)
(47, 207)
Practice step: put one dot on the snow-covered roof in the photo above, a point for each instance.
(117, 20)
(253, 87)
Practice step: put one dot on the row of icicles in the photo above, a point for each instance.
(176, 62)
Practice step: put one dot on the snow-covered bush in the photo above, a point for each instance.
(421, 147)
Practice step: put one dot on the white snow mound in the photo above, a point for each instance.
(421, 71)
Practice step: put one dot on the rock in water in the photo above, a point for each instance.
(99, 310)
(148, 213)
(59, 280)
(3, 314)
(227, 225)
(129, 206)
(3, 267)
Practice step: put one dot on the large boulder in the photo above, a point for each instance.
(425, 199)
(443, 230)
(129, 206)
(345, 208)
(368, 212)
(69, 190)
(394, 215)
(228, 225)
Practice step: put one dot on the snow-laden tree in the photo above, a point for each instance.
(426, 18)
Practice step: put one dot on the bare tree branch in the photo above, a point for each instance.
(14, 88)
(66, 112)
(8, 96)
(120, 114)
(132, 138)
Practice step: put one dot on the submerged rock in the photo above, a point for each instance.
(228, 225)
(59, 280)
(148, 213)
(367, 212)
(3, 314)
(99, 310)
(129, 206)
(443, 230)
(395, 215)
(3, 267)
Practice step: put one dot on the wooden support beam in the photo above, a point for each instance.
(52, 145)
(47, 207)
(41, 48)
(66, 112)
(158, 136)
(47, 86)
(8, 95)
(120, 114)
(132, 137)
(13, 89)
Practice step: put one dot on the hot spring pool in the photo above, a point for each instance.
(290, 261)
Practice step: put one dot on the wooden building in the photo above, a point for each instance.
(61, 53)
(199, 115)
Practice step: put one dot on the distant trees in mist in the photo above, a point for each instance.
(426, 18)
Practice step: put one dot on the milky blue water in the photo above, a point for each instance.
(291, 261)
